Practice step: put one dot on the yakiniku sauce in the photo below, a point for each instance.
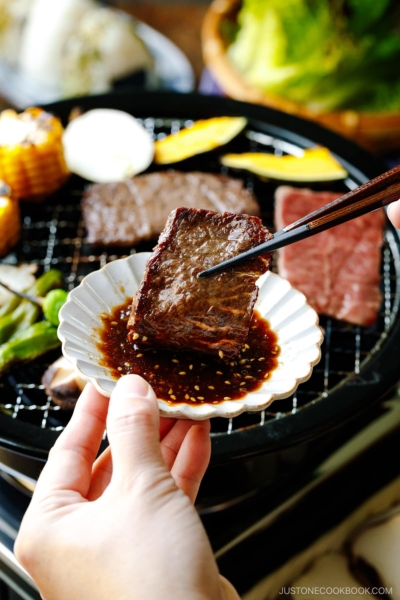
(189, 376)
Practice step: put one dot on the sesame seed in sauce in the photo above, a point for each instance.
(221, 354)
(122, 357)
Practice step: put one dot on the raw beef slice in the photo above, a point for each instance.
(338, 270)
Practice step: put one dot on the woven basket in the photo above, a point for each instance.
(378, 132)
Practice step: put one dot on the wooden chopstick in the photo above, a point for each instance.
(370, 196)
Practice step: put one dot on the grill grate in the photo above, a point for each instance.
(54, 237)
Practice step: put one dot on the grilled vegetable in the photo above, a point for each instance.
(105, 145)
(63, 383)
(31, 153)
(316, 164)
(10, 223)
(203, 136)
(52, 304)
(25, 312)
(28, 344)
(20, 278)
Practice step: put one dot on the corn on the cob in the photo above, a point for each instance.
(31, 153)
(10, 223)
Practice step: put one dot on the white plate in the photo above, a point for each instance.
(293, 321)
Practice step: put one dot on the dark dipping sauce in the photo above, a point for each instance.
(184, 376)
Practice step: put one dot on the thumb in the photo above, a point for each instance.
(133, 428)
(394, 213)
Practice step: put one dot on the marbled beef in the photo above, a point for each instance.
(338, 270)
(128, 212)
(174, 308)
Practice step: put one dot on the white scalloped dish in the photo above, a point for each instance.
(293, 321)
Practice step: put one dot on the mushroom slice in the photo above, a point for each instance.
(63, 384)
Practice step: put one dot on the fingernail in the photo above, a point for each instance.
(133, 385)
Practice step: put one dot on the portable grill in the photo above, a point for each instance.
(358, 364)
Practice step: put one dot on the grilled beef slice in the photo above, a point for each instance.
(131, 211)
(174, 308)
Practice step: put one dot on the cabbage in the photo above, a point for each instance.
(325, 54)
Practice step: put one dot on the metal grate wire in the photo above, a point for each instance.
(54, 237)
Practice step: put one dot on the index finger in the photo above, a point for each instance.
(70, 462)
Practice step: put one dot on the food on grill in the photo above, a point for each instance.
(316, 164)
(328, 572)
(31, 153)
(17, 314)
(10, 221)
(378, 547)
(105, 145)
(174, 308)
(20, 278)
(200, 137)
(35, 340)
(338, 270)
(22, 336)
(190, 377)
(52, 303)
(131, 211)
(63, 383)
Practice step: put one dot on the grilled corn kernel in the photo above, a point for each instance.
(31, 153)
(10, 224)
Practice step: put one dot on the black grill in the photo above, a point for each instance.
(54, 236)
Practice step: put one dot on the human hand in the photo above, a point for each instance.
(122, 526)
(394, 213)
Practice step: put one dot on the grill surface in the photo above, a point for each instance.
(54, 236)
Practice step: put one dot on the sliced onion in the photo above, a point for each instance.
(105, 145)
